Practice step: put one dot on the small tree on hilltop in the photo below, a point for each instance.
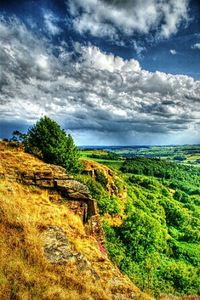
(47, 140)
(17, 136)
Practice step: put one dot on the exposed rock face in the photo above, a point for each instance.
(93, 227)
(62, 188)
(66, 273)
(93, 168)
(56, 246)
(58, 249)
(74, 194)
(78, 194)
(70, 188)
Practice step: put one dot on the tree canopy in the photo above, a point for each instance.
(47, 140)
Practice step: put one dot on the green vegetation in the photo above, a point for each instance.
(48, 141)
(114, 156)
(184, 154)
(106, 203)
(110, 159)
(157, 242)
(152, 235)
(175, 176)
(101, 178)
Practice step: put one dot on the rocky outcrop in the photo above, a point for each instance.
(59, 250)
(61, 187)
(48, 254)
(70, 188)
(93, 169)
(77, 194)
(74, 194)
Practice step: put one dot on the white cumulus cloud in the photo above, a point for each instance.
(50, 22)
(106, 18)
(196, 46)
(94, 92)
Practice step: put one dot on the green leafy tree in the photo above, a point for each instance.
(47, 140)
(72, 155)
(17, 136)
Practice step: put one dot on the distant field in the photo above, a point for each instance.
(113, 164)
(102, 157)
(184, 154)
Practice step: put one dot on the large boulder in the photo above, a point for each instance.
(72, 189)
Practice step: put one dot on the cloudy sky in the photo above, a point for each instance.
(111, 72)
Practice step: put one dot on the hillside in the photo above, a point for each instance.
(65, 237)
(50, 247)
(153, 233)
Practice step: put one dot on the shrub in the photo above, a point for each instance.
(106, 203)
(101, 178)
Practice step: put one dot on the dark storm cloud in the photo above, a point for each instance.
(95, 91)
(6, 128)
(193, 98)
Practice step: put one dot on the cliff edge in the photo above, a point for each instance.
(52, 244)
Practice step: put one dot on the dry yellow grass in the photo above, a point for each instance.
(25, 273)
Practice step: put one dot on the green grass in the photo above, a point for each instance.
(113, 164)
(190, 153)
(101, 157)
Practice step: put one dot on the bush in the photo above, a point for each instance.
(47, 140)
(101, 178)
(106, 203)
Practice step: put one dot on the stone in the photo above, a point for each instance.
(80, 208)
(56, 246)
(59, 250)
(45, 183)
(72, 189)
(47, 174)
(71, 192)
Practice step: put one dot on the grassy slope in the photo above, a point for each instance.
(25, 210)
(24, 271)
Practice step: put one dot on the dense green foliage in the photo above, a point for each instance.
(101, 178)
(185, 178)
(157, 244)
(47, 140)
(106, 203)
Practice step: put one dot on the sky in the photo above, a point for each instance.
(110, 72)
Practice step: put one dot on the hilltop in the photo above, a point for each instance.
(51, 237)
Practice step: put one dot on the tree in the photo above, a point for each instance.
(72, 156)
(47, 140)
(17, 136)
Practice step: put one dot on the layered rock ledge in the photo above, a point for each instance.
(74, 194)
